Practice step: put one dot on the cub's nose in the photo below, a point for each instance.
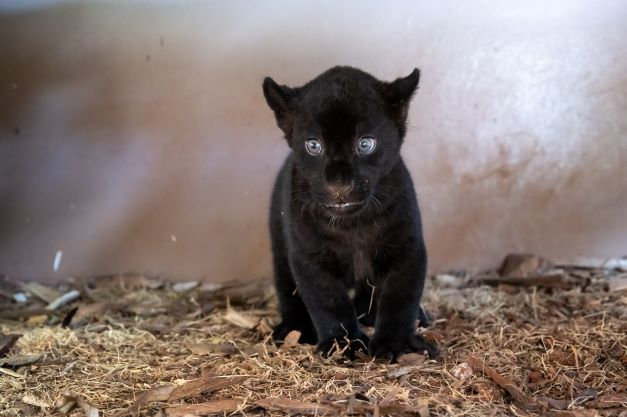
(339, 190)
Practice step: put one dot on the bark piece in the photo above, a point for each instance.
(523, 265)
(197, 387)
(295, 407)
(203, 409)
(291, 339)
(154, 394)
(516, 393)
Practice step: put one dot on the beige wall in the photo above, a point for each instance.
(136, 138)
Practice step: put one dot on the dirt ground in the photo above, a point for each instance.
(530, 338)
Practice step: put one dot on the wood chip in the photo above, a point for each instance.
(197, 387)
(462, 371)
(93, 310)
(204, 348)
(289, 406)
(42, 292)
(486, 391)
(161, 393)
(129, 282)
(64, 405)
(90, 410)
(66, 298)
(11, 373)
(203, 409)
(609, 400)
(421, 408)
(409, 359)
(584, 396)
(523, 265)
(617, 283)
(185, 286)
(557, 404)
(20, 360)
(37, 402)
(595, 263)
(554, 280)
(291, 339)
(516, 393)
(571, 413)
(425, 369)
(240, 319)
(447, 280)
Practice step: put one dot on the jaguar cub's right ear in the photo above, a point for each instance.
(279, 98)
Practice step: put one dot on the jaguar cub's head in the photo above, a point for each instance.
(345, 129)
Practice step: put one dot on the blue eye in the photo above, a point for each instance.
(366, 145)
(313, 146)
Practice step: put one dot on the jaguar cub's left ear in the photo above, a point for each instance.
(397, 95)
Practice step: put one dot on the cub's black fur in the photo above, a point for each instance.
(346, 234)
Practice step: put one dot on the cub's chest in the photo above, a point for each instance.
(362, 265)
(358, 252)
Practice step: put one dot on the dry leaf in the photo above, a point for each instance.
(240, 319)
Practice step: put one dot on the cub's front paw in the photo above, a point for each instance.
(307, 334)
(345, 346)
(392, 348)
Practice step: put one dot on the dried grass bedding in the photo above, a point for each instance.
(532, 338)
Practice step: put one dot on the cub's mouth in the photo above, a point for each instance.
(345, 207)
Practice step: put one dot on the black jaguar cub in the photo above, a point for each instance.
(346, 234)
